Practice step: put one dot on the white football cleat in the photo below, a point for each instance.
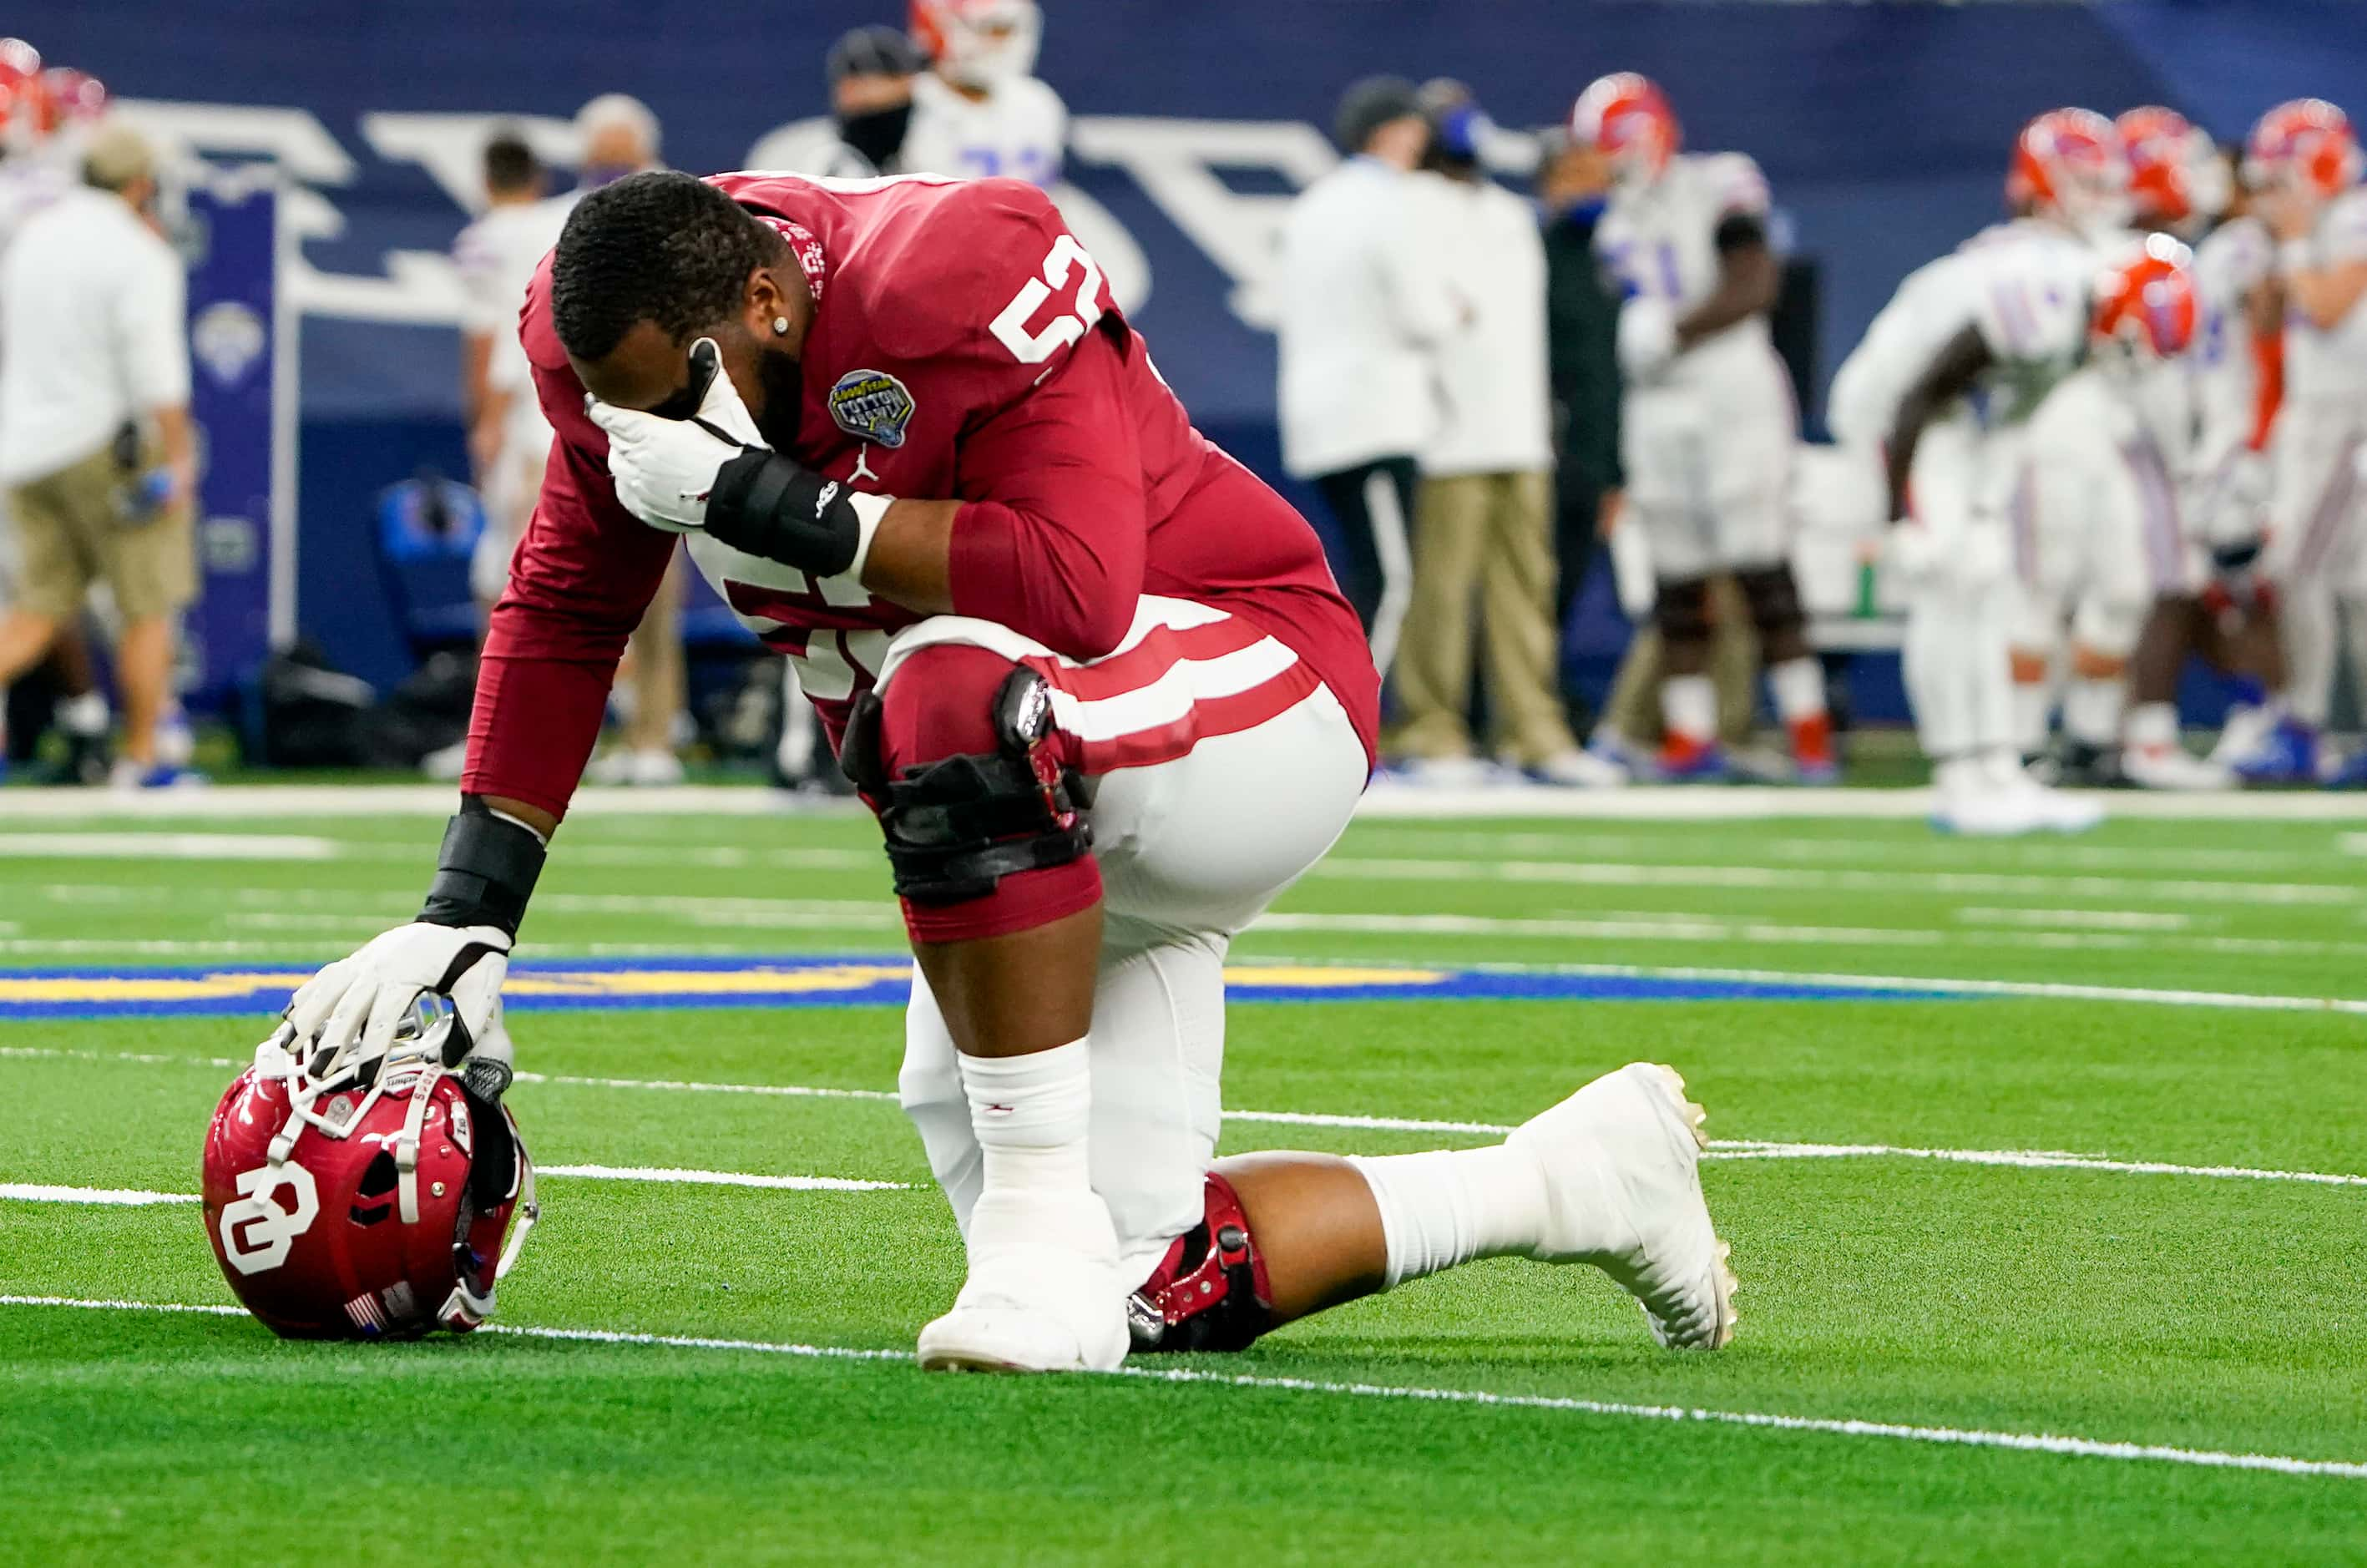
(1621, 1159)
(1577, 769)
(1044, 1292)
(1967, 801)
(2172, 767)
(2048, 810)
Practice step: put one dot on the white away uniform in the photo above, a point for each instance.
(2226, 488)
(2314, 505)
(2094, 517)
(2024, 289)
(1016, 131)
(496, 256)
(1707, 435)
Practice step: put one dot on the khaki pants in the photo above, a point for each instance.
(1633, 709)
(1481, 540)
(71, 532)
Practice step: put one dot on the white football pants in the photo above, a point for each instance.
(1959, 618)
(1191, 852)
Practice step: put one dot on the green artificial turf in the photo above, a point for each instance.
(2199, 1313)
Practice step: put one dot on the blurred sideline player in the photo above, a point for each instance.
(870, 71)
(620, 137)
(2100, 545)
(981, 112)
(1707, 422)
(1999, 323)
(508, 438)
(2304, 163)
(46, 116)
(1107, 706)
(2183, 184)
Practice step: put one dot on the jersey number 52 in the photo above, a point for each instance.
(1009, 328)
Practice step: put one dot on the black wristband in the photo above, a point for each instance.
(776, 508)
(485, 872)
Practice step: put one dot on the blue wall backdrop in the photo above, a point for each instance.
(1883, 128)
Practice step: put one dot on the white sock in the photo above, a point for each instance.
(1689, 708)
(84, 716)
(2091, 709)
(1444, 1208)
(2032, 705)
(1798, 688)
(2151, 726)
(1030, 1114)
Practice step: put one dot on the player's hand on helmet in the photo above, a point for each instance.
(666, 469)
(346, 1019)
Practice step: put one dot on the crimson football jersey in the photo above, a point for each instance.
(964, 347)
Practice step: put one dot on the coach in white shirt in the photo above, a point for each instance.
(1483, 548)
(1364, 308)
(96, 449)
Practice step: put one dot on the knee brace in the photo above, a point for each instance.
(1210, 1293)
(1774, 600)
(1682, 612)
(956, 825)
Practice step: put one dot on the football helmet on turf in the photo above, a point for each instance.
(2176, 175)
(371, 1204)
(1627, 118)
(980, 42)
(2069, 164)
(2306, 144)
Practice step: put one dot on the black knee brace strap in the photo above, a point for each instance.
(956, 827)
(1681, 610)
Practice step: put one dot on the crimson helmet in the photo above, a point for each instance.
(1627, 116)
(2069, 164)
(2145, 298)
(980, 42)
(372, 1204)
(71, 97)
(2307, 142)
(2175, 173)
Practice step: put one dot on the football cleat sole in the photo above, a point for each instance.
(1723, 1284)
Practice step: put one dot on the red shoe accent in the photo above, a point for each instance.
(1681, 752)
(1812, 740)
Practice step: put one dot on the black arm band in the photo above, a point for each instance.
(1740, 231)
(775, 507)
(485, 872)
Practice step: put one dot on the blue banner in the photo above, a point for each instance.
(233, 270)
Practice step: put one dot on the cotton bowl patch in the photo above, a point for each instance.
(871, 405)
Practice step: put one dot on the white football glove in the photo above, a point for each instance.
(1647, 337)
(345, 1017)
(666, 468)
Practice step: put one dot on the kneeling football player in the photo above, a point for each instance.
(1097, 683)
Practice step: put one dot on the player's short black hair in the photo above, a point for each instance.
(658, 246)
(510, 164)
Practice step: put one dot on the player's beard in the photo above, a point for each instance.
(783, 377)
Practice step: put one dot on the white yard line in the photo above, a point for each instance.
(115, 1197)
(1719, 1149)
(1746, 803)
(2079, 919)
(1954, 1436)
(50, 846)
(2045, 855)
(1795, 880)
(34, 1192)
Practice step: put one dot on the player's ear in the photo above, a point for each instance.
(770, 315)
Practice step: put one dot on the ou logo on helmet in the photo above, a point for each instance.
(256, 1233)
